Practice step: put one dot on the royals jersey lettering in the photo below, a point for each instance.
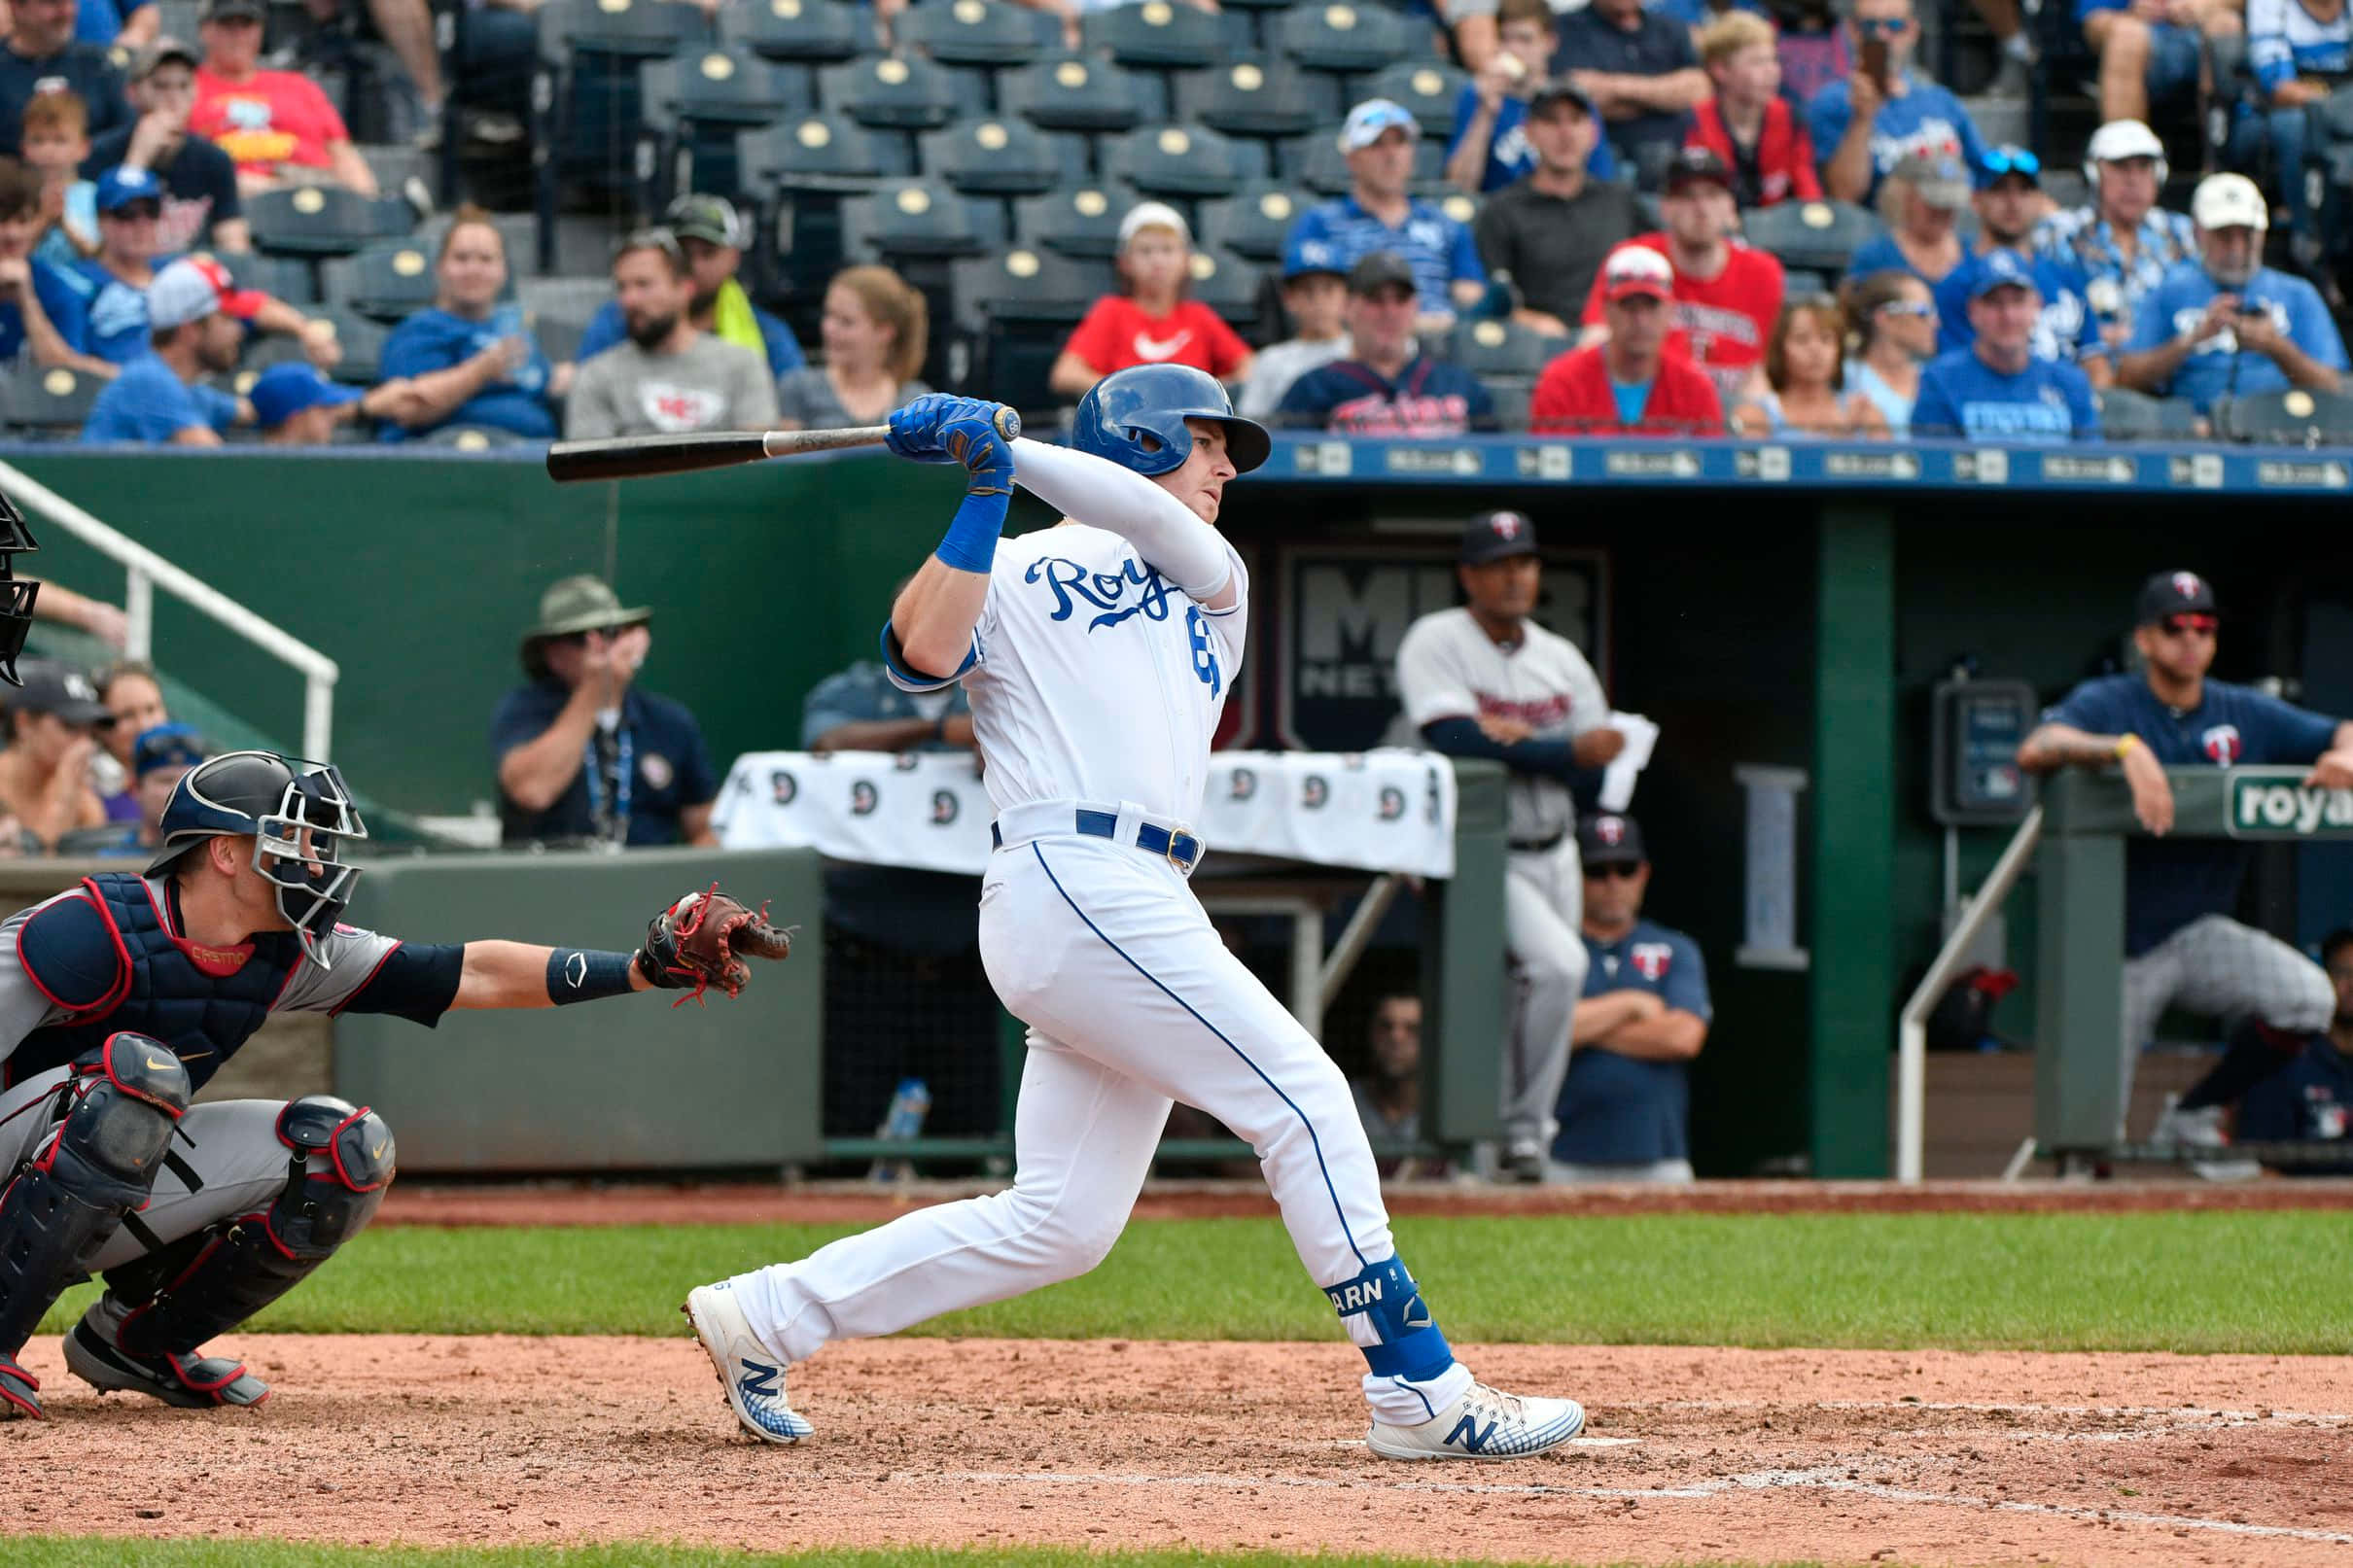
(1447, 668)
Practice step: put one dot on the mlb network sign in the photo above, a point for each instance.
(2272, 803)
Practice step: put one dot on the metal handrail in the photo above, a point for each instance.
(149, 570)
(1912, 1026)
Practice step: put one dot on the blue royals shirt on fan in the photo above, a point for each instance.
(1508, 154)
(2064, 330)
(1926, 119)
(1620, 1110)
(1439, 250)
(1962, 395)
(435, 339)
(2219, 368)
(2170, 882)
(61, 301)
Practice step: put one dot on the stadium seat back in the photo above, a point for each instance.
(914, 218)
(362, 338)
(1036, 286)
(1257, 97)
(1080, 222)
(388, 281)
(818, 152)
(889, 91)
(1072, 94)
(1816, 236)
(2293, 418)
(723, 87)
(979, 32)
(1175, 160)
(1502, 348)
(997, 156)
(2135, 416)
(629, 30)
(805, 32)
(1159, 34)
(1344, 35)
(471, 439)
(49, 402)
(291, 278)
(324, 220)
(1254, 222)
(1228, 284)
(1427, 88)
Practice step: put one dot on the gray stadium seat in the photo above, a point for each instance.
(977, 33)
(362, 344)
(1255, 221)
(1175, 160)
(805, 32)
(818, 151)
(1257, 97)
(471, 439)
(324, 220)
(1080, 95)
(897, 93)
(1157, 35)
(1081, 222)
(915, 218)
(289, 278)
(2135, 416)
(1502, 348)
(723, 87)
(2295, 418)
(1228, 284)
(49, 402)
(1016, 310)
(1345, 36)
(1427, 88)
(388, 281)
(1817, 236)
(992, 157)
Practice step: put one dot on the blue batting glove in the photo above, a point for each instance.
(915, 429)
(975, 434)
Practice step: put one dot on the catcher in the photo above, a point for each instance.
(118, 999)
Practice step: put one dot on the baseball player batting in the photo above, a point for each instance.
(1097, 656)
(1484, 679)
(120, 997)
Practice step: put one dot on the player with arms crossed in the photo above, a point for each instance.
(121, 997)
(1097, 656)
(2181, 946)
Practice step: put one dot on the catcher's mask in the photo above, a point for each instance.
(299, 815)
(16, 596)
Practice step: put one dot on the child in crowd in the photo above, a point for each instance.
(56, 139)
(1748, 124)
(1314, 295)
(1805, 368)
(1153, 322)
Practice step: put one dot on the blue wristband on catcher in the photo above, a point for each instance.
(583, 974)
(970, 545)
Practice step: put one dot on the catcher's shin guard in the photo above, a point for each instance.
(68, 1200)
(178, 1297)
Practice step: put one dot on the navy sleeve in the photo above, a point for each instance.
(1306, 401)
(2286, 733)
(2087, 708)
(515, 724)
(416, 982)
(1462, 737)
(1686, 984)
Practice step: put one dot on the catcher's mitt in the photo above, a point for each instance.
(701, 941)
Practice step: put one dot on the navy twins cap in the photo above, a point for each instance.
(2175, 593)
(1609, 838)
(1493, 534)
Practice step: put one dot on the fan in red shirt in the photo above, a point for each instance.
(1153, 323)
(1726, 294)
(273, 123)
(1635, 382)
(1748, 124)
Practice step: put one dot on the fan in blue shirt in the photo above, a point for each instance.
(1917, 117)
(1996, 390)
(1378, 215)
(59, 301)
(149, 402)
(512, 391)
(2007, 206)
(2227, 325)
(1508, 154)
(1626, 1104)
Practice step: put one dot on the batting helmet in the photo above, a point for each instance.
(296, 812)
(1136, 418)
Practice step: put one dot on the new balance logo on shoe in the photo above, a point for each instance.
(1470, 1434)
(758, 1382)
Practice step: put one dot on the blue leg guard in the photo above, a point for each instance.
(1403, 1341)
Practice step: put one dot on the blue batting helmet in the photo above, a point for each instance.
(1136, 418)
(298, 814)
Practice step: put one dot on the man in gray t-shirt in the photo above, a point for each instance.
(669, 376)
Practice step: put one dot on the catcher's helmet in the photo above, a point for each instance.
(15, 596)
(298, 814)
(1136, 418)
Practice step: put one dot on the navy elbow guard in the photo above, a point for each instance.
(582, 975)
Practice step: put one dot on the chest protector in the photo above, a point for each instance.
(203, 1002)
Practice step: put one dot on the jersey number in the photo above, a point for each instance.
(1205, 651)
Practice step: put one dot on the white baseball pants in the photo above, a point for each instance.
(2221, 969)
(1543, 916)
(1133, 1001)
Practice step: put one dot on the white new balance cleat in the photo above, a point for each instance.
(1485, 1423)
(755, 1381)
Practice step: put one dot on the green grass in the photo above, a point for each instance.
(96, 1551)
(2201, 1282)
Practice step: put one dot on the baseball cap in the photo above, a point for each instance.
(1302, 257)
(156, 51)
(1376, 270)
(1561, 90)
(192, 289)
(120, 187)
(2229, 201)
(1609, 838)
(1940, 178)
(53, 686)
(1694, 163)
(1637, 270)
(2121, 139)
(698, 215)
(1367, 122)
(165, 745)
(227, 10)
(284, 391)
(2000, 269)
(1493, 536)
(1152, 215)
(2175, 593)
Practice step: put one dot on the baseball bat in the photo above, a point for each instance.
(639, 457)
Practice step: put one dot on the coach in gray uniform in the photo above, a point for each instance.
(1484, 680)
(120, 997)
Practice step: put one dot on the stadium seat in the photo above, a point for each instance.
(1427, 88)
(1156, 35)
(999, 158)
(289, 278)
(585, 93)
(362, 338)
(1228, 284)
(1254, 222)
(1175, 160)
(1341, 36)
(1817, 236)
(388, 281)
(977, 33)
(695, 106)
(1079, 95)
(1081, 224)
(1256, 97)
(556, 311)
(892, 93)
(50, 401)
(1016, 310)
(472, 438)
(1502, 348)
(818, 151)
(631, 29)
(2294, 418)
(2135, 416)
(324, 220)
(802, 32)
(916, 218)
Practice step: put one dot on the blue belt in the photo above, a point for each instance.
(1183, 850)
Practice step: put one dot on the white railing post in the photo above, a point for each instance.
(139, 609)
(318, 717)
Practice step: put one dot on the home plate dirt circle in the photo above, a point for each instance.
(1919, 1456)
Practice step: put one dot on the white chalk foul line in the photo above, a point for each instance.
(1834, 1481)
(2205, 1412)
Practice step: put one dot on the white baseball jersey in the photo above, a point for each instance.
(1093, 677)
(1447, 668)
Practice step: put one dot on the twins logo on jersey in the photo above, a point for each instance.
(1105, 590)
(1538, 713)
(2223, 745)
(1651, 960)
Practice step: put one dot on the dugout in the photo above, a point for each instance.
(1775, 607)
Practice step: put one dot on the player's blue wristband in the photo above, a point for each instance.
(971, 543)
(584, 974)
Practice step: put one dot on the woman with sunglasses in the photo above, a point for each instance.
(1894, 322)
(1807, 373)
